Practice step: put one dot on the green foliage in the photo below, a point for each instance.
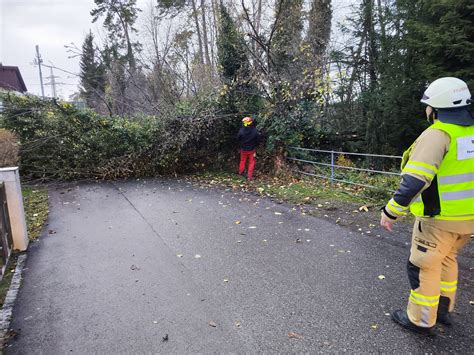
(238, 92)
(394, 51)
(92, 73)
(231, 47)
(296, 125)
(59, 141)
(442, 33)
(120, 17)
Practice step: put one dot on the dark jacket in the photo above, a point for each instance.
(249, 138)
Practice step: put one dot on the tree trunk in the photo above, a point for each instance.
(204, 33)
(280, 165)
(198, 30)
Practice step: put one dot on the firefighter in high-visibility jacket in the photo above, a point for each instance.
(438, 187)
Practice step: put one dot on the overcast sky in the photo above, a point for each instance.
(52, 24)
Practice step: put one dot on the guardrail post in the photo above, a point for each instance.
(332, 167)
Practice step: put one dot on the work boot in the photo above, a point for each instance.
(401, 317)
(443, 315)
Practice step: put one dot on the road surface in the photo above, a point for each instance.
(167, 266)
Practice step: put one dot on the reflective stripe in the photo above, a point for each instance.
(449, 286)
(420, 168)
(449, 283)
(423, 303)
(418, 171)
(430, 301)
(457, 195)
(396, 208)
(455, 179)
(424, 165)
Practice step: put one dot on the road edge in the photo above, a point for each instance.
(7, 309)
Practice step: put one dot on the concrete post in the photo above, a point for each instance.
(11, 178)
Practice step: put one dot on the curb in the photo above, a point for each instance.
(7, 309)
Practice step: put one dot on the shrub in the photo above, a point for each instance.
(9, 148)
(59, 141)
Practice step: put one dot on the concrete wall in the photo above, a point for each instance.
(11, 177)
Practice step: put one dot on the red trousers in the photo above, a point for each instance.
(243, 160)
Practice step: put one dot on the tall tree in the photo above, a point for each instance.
(204, 33)
(238, 93)
(120, 17)
(287, 38)
(319, 30)
(92, 75)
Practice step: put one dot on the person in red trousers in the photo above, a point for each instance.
(249, 138)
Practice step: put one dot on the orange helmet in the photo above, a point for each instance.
(247, 121)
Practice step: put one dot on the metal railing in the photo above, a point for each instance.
(333, 166)
(5, 231)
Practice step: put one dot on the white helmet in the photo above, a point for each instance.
(447, 92)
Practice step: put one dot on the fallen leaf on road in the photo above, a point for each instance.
(298, 240)
(197, 256)
(237, 222)
(238, 324)
(133, 267)
(306, 229)
(226, 280)
(363, 208)
(212, 324)
(381, 277)
(471, 303)
(319, 205)
(278, 213)
(51, 231)
(293, 335)
(155, 322)
(165, 338)
(374, 326)
(252, 227)
(179, 255)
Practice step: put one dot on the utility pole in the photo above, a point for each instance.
(52, 82)
(38, 62)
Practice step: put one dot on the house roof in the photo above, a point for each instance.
(10, 79)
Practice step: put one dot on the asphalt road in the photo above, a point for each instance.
(121, 266)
